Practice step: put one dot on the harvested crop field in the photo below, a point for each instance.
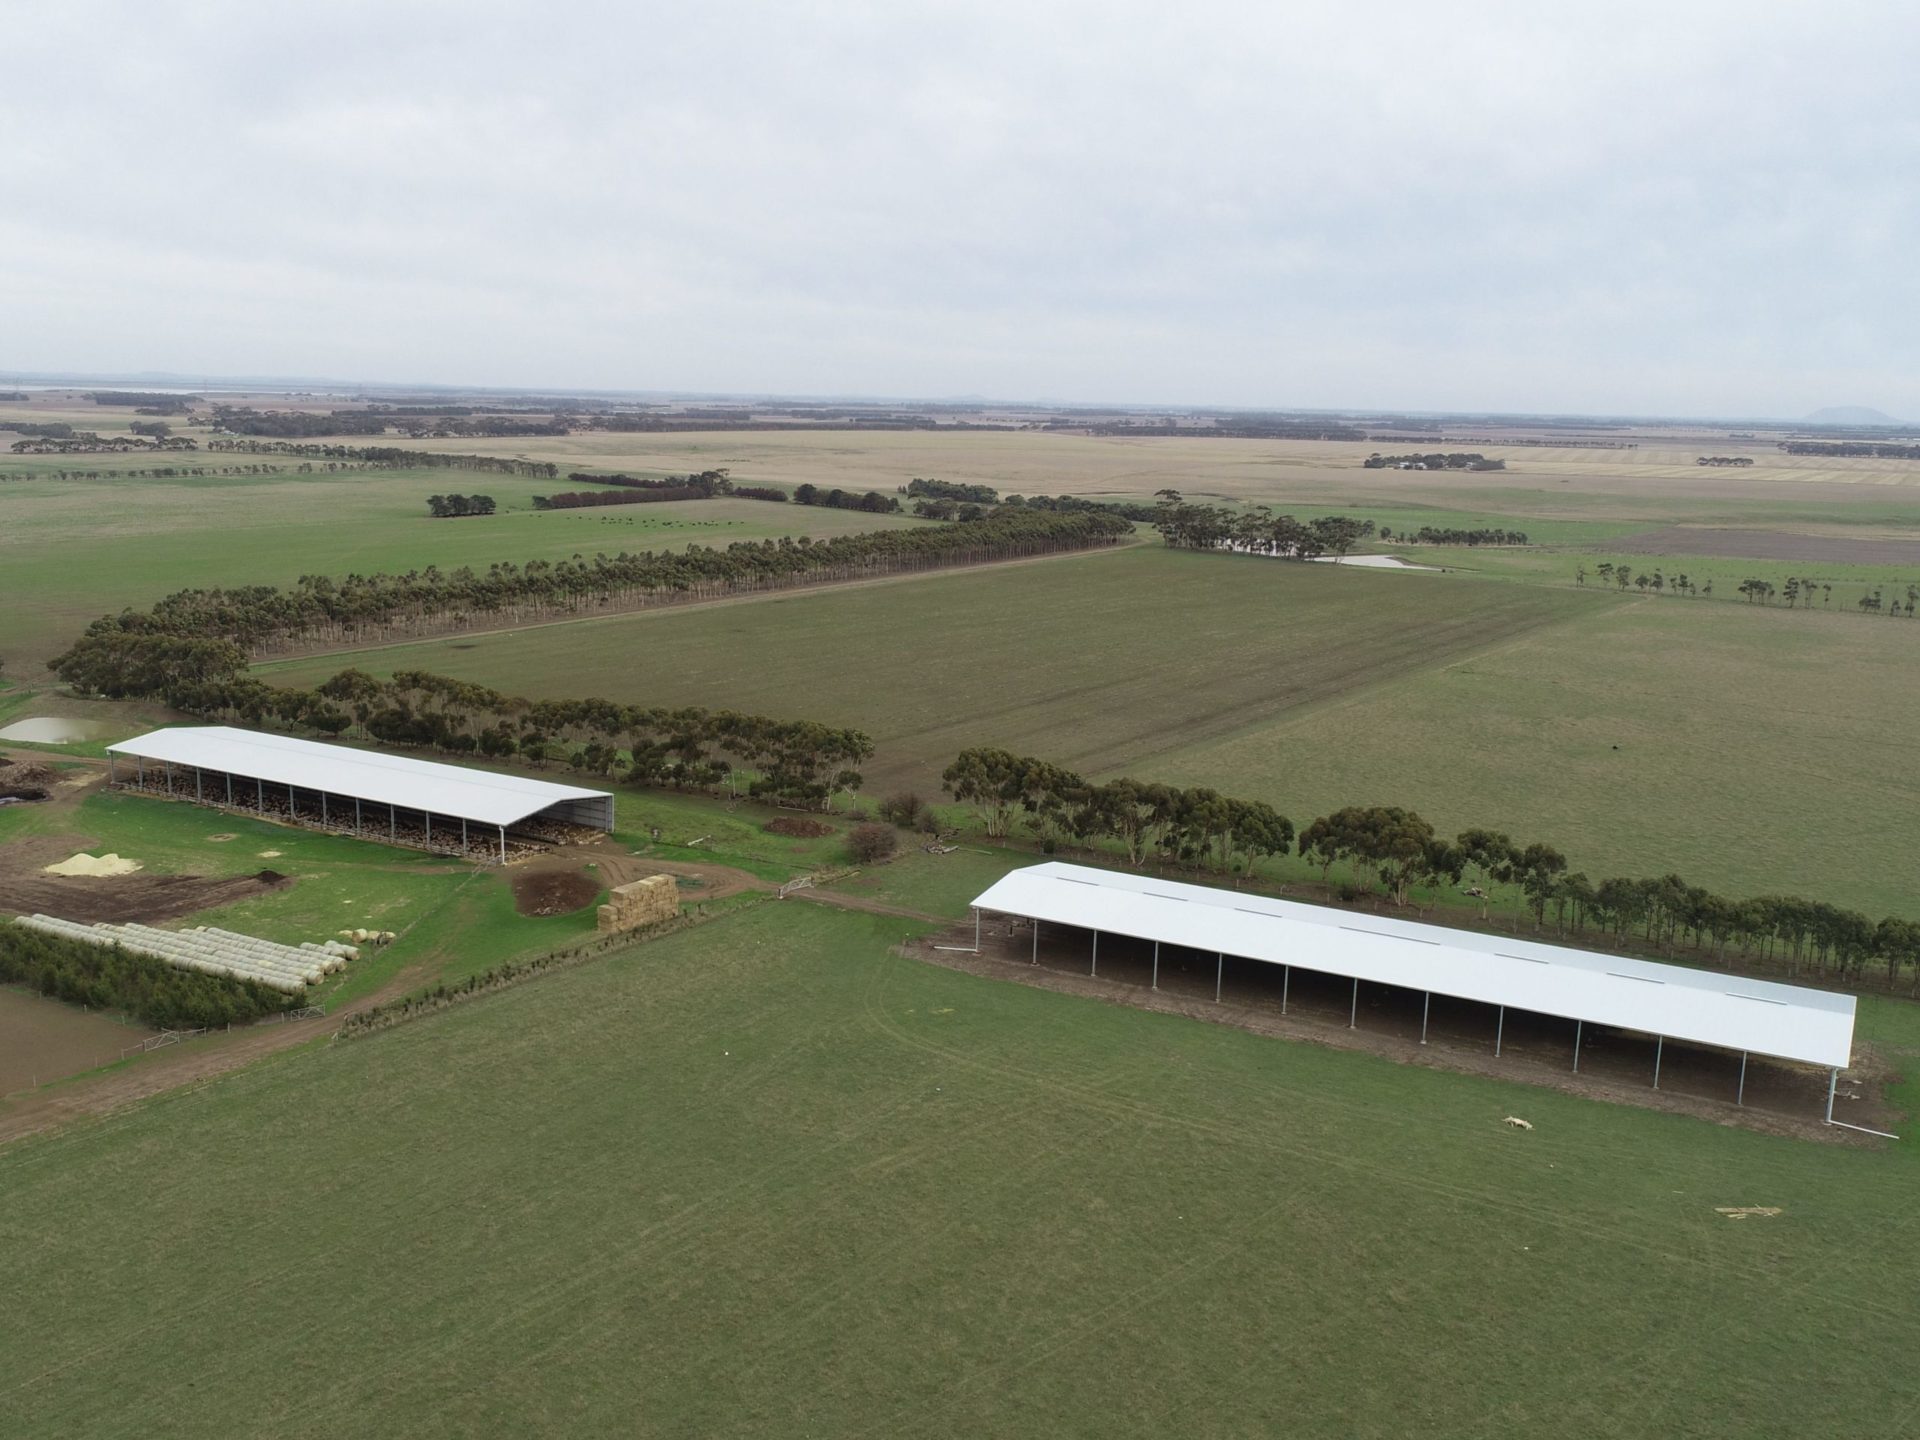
(1808, 549)
(26, 887)
(553, 892)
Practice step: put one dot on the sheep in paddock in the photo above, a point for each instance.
(1518, 1123)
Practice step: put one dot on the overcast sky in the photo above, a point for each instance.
(1682, 207)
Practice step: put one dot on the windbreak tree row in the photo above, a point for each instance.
(1209, 831)
(791, 762)
(129, 654)
(106, 977)
(392, 457)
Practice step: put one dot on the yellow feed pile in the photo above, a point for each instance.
(644, 902)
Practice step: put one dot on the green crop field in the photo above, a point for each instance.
(762, 1178)
(1760, 750)
(75, 549)
(1754, 751)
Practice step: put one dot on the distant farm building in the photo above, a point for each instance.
(1199, 937)
(448, 809)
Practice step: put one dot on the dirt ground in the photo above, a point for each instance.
(1769, 545)
(553, 892)
(25, 888)
(798, 825)
(42, 1039)
(1615, 1066)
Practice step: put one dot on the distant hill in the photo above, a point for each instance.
(1850, 415)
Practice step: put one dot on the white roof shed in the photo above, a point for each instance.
(1788, 1022)
(397, 780)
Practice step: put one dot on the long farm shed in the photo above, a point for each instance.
(1665, 1002)
(360, 792)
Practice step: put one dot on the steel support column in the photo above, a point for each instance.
(1577, 1025)
(503, 860)
(1036, 942)
(1156, 966)
(1353, 1016)
(1094, 970)
(1426, 1009)
(199, 787)
(1833, 1083)
(1499, 1031)
(1740, 1095)
(229, 789)
(1286, 983)
(1219, 975)
(1659, 1049)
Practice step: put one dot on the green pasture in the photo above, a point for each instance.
(71, 550)
(764, 1178)
(1753, 751)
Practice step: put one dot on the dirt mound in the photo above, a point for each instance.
(26, 888)
(97, 866)
(554, 892)
(798, 828)
(271, 877)
(20, 780)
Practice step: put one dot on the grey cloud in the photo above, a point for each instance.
(1600, 207)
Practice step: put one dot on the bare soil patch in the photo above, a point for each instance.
(798, 827)
(1769, 545)
(25, 888)
(553, 892)
(42, 1039)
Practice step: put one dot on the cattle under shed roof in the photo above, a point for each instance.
(1789, 1022)
(396, 780)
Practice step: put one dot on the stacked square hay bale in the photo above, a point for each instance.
(644, 902)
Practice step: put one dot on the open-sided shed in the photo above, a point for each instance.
(221, 765)
(1667, 1002)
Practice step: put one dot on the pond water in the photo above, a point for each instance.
(56, 730)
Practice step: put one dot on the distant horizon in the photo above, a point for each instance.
(185, 382)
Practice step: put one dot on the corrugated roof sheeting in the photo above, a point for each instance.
(1788, 1022)
(360, 774)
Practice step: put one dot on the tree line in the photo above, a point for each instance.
(590, 499)
(951, 490)
(449, 506)
(1439, 535)
(1397, 847)
(1852, 449)
(105, 977)
(1798, 591)
(196, 634)
(1257, 530)
(873, 502)
(788, 762)
(88, 442)
(392, 457)
(1433, 460)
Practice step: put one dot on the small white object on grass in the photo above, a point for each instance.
(1518, 1123)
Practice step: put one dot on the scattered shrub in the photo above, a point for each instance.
(902, 808)
(870, 844)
